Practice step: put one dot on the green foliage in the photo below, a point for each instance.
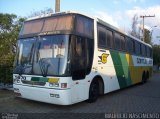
(147, 36)
(156, 55)
(10, 26)
(41, 12)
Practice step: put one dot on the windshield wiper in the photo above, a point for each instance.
(21, 69)
(42, 63)
(43, 66)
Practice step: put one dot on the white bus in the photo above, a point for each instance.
(69, 57)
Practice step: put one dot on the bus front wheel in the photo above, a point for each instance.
(93, 91)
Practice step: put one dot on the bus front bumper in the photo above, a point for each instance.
(48, 95)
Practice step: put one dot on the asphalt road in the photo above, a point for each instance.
(136, 99)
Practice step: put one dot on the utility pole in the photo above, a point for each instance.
(57, 6)
(144, 16)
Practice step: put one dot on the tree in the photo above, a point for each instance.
(156, 55)
(41, 12)
(10, 26)
(147, 36)
(135, 31)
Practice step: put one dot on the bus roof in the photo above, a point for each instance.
(57, 14)
(91, 17)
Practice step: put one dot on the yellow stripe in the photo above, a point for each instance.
(135, 71)
(53, 80)
(129, 59)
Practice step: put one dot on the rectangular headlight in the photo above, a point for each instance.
(54, 84)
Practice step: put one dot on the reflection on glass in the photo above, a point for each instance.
(45, 55)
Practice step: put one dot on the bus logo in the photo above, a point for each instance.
(103, 58)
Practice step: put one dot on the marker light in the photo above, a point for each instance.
(63, 85)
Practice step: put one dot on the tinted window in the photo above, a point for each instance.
(109, 38)
(148, 51)
(31, 27)
(123, 43)
(82, 56)
(78, 58)
(89, 54)
(57, 23)
(143, 50)
(102, 38)
(105, 37)
(84, 26)
(117, 41)
(130, 45)
(138, 48)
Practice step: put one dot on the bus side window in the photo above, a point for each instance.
(84, 26)
(89, 54)
(130, 45)
(137, 48)
(123, 43)
(151, 52)
(117, 41)
(140, 49)
(102, 38)
(109, 38)
(78, 64)
(148, 51)
(143, 50)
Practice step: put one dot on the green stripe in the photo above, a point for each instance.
(118, 68)
(43, 79)
(125, 69)
(35, 78)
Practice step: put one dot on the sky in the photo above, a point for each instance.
(119, 13)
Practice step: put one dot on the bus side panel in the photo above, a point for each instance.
(121, 68)
(128, 71)
(135, 74)
(137, 70)
(107, 71)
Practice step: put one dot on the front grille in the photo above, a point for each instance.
(40, 83)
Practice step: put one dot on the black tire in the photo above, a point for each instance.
(147, 77)
(144, 78)
(93, 91)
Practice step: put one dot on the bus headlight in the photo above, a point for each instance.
(16, 80)
(54, 84)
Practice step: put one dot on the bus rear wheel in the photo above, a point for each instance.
(93, 91)
(144, 78)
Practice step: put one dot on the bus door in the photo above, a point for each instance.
(78, 67)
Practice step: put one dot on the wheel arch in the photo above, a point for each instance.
(101, 84)
(143, 76)
(147, 74)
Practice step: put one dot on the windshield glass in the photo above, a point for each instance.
(47, 56)
(23, 62)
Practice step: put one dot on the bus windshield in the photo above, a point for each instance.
(44, 55)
